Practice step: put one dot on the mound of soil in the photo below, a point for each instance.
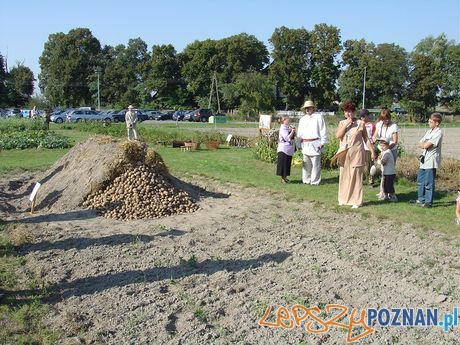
(122, 180)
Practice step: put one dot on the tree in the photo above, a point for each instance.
(251, 93)
(240, 53)
(444, 64)
(199, 60)
(227, 57)
(423, 86)
(452, 85)
(67, 63)
(20, 85)
(355, 59)
(124, 71)
(3, 89)
(164, 76)
(386, 72)
(291, 66)
(325, 46)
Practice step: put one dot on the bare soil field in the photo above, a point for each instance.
(207, 277)
(450, 147)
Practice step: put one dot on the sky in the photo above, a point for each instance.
(26, 24)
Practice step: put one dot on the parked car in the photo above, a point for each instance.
(201, 115)
(165, 116)
(80, 115)
(398, 111)
(58, 116)
(152, 114)
(120, 116)
(14, 112)
(188, 115)
(178, 115)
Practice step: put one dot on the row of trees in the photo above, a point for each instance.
(16, 85)
(302, 64)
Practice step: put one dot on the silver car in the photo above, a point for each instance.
(80, 115)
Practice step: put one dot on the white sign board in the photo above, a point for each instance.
(34, 191)
(265, 121)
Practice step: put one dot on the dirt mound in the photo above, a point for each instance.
(122, 180)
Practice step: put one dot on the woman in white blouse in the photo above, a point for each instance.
(388, 131)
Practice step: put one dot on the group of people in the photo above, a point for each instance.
(356, 156)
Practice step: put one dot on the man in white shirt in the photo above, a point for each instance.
(430, 161)
(131, 122)
(311, 136)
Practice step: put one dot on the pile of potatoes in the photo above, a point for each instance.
(140, 193)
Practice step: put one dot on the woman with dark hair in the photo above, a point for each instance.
(285, 149)
(388, 131)
(352, 135)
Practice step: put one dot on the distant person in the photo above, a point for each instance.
(33, 112)
(47, 118)
(285, 149)
(370, 128)
(312, 136)
(352, 135)
(388, 130)
(387, 162)
(430, 161)
(131, 123)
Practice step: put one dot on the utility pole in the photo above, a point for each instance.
(98, 71)
(364, 85)
(214, 84)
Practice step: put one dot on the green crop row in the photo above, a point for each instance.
(33, 139)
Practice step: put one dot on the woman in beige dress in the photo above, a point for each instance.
(352, 135)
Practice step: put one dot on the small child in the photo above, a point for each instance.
(457, 208)
(387, 161)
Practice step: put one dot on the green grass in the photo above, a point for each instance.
(238, 166)
(29, 159)
(192, 125)
(76, 136)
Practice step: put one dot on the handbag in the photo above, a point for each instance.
(339, 157)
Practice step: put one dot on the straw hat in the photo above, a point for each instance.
(308, 104)
(130, 107)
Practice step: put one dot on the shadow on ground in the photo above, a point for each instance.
(80, 243)
(96, 284)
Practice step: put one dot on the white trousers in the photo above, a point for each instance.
(311, 169)
(132, 133)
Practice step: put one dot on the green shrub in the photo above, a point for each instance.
(265, 150)
(147, 133)
(329, 150)
(10, 125)
(33, 139)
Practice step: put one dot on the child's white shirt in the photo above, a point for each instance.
(389, 167)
